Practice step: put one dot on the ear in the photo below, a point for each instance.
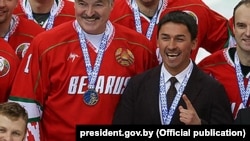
(16, 4)
(157, 44)
(233, 29)
(112, 3)
(194, 44)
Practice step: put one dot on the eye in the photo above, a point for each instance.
(99, 4)
(241, 25)
(83, 4)
(179, 39)
(16, 133)
(165, 38)
(2, 130)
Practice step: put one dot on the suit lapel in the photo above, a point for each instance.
(193, 85)
(192, 91)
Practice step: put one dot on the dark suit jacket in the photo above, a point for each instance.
(243, 117)
(139, 103)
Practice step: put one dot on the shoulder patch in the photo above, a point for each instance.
(4, 66)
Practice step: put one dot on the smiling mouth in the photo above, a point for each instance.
(91, 19)
(246, 40)
(172, 54)
(2, 12)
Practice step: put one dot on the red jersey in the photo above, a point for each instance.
(212, 27)
(55, 79)
(21, 34)
(8, 66)
(221, 66)
(64, 11)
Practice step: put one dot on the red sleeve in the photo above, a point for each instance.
(8, 66)
(29, 83)
(217, 32)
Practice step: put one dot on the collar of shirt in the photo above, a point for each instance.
(180, 77)
(95, 40)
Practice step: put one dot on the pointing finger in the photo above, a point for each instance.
(188, 103)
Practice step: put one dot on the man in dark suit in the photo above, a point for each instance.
(243, 117)
(199, 99)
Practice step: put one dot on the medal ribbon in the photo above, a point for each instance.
(167, 114)
(53, 12)
(92, 73)
(243, 92)
(13, 24)
(138, 20)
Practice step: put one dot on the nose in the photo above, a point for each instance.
(90, 11)
(171, 44)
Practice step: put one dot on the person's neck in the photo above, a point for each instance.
(148, 8)
(4, 28)
(41, 6)
(244, 57)
(176, 70)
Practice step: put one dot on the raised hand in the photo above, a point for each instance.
(189, 115)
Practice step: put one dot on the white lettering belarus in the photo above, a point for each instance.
(104, 85)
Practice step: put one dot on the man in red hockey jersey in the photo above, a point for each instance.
(76, 72)
(46, 13)
(17, 31)
(143, 16)
(231, 66)
(8, 66)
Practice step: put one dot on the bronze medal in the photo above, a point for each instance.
(90, 97)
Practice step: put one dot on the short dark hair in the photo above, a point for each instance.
(14, 111)
(245, 2)
(181, 18)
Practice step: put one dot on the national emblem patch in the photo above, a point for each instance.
(4, 66)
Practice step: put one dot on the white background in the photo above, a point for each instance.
(224, 7)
